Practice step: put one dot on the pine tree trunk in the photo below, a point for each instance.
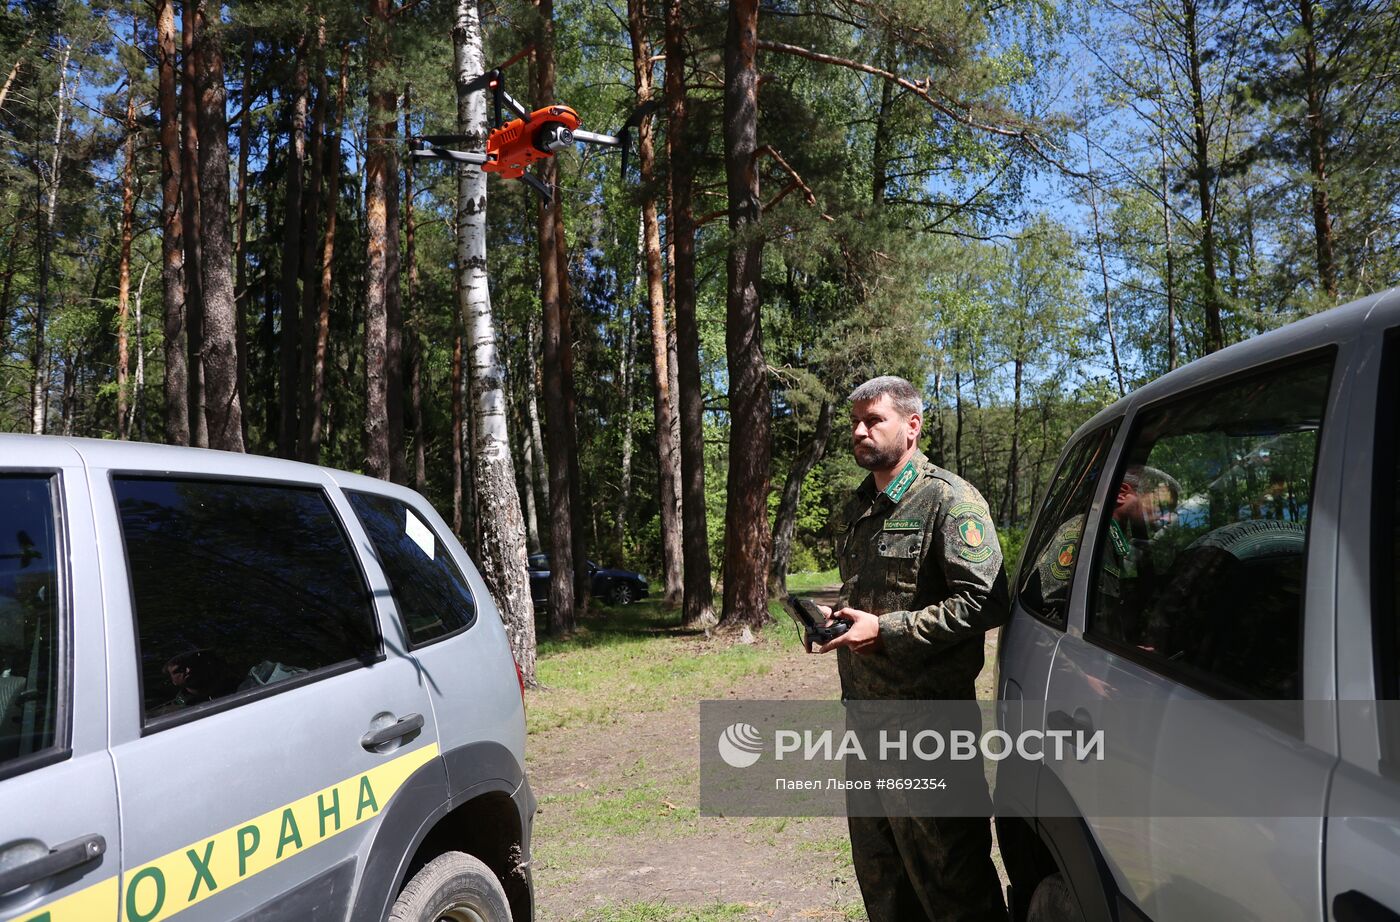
(382, 248)
(1103, 271)
(1317, 154)
(172, 243)
(746, 547)
(289, 300)
(124, 258)
(785, 522)
(556, 348)
(1170, 267)
(698, 598)
(189, 195)
(667, 456)
(224, 413)
(413, 342)
(501, 550)
(327, 287)
(1008, 509)
(311, 243)
(240, 277)
(627, 363)
(1210, 297)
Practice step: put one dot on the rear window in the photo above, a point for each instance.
(1201, 560)
(430, 592)
(238, 587)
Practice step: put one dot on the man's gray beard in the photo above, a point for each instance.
(881, 460)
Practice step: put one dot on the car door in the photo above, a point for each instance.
(1209, 594)
(1040, 607)
(263, 728)
(59, 842)
(1363, 824)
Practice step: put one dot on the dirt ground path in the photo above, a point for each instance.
(618, 835)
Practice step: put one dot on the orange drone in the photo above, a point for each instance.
(531, 136)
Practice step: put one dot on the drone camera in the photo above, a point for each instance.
(555, 138)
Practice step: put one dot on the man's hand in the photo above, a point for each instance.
(863, 636)
(806, 641)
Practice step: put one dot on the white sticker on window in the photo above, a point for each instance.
(421, 534)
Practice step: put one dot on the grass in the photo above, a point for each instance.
(807, 582)
(638, 659)
(661, 912)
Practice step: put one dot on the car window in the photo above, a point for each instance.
(432, 596)
(238, 586)
(1047, 568)
(30, 675)
(1199, 567)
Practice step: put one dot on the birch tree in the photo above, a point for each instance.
(501, 528)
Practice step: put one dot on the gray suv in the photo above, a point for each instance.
(238, 688)
(1226, 536)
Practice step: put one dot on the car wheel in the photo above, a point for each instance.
(622, 594)
(453, 887)
(1052, 901)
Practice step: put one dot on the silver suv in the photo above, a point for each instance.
(233, 687)
(1224, 537)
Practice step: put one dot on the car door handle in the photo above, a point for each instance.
(1081, 721)
(60, 858)
(1355, 906)
(409, 723)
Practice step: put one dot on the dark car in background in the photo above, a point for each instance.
(611, 584)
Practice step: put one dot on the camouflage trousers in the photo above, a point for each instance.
(914, 862)
(917, 868)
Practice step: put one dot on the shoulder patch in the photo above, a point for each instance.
(962, 509)
(977, 555)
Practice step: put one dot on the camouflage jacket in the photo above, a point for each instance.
(923, 555)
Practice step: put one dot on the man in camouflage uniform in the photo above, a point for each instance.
(921, 583)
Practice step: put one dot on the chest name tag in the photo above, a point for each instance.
(904, 525)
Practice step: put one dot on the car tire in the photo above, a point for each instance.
(453, 887)
(1052, 901)
(622, 594)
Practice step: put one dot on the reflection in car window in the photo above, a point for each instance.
(431, 594)
(1200, 564)
(29, 677)
(1053, 551)
(238, 586)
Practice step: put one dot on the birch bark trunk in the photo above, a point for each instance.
(39, 389)
(501, 528)
(124, 259)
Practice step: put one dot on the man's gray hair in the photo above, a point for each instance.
(906, 397)
(1145, 479)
